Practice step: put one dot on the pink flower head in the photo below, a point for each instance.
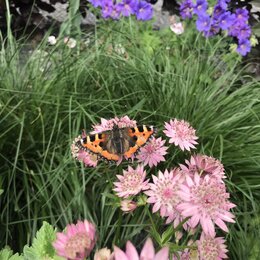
(211, 248)
(163, 193)
(206, 202)
(153, 152)
(147, 253)
(181, 134)
(77, 242)
(204, 165)
(131, 182)
(106, 125)
(128, 205)
(87, 158)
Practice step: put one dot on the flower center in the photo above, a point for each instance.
(167, 193)
(132, 181)
(209, 249)
(77, 245)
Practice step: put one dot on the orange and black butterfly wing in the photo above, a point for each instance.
(139, 136)
(97, 143)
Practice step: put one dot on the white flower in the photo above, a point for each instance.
(52, 40)
(177, 28)
(70, 42)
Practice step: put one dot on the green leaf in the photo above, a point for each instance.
(7, 254)
(42, 245)
(1, 191)
(167, 234)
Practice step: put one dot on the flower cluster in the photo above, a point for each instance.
(195, 191)
(234, 23)
(192, 195)
(113, 9)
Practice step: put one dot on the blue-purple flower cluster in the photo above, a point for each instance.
(115, 9)
(235, 23)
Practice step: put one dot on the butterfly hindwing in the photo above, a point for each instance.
(140, 135)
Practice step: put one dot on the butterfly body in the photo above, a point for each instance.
(118, 142)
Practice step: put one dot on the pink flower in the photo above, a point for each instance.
(78, 241)
(153, 152)
(147, 253)
(211, 248)
(203, 165)
(87, 158)
(163, 193)
(131, 182)
(106, 125)
(128, 205)
(181, 134)
(206, 202)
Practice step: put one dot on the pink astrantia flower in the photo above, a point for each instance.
(153, 152)
(163, 193)
(77, 242)
(204, 165)
(131, 182)
(147, 253)
(106, 125)
(206, 202)
(181, 134)
(212, 248)
(87, 158)
(128, 205)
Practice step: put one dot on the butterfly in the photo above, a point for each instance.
(118, 143)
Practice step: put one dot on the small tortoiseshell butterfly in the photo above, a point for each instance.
(117, 143)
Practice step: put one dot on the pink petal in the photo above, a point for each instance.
(221, 224)
(207, 226)
(148, 250)
(131, 251)
(163, 254)
(119, 254)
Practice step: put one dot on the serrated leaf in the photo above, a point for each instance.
(42, 245)
(7, 254)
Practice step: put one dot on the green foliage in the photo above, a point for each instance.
(48, 97)
(7, 254)
(41, 247)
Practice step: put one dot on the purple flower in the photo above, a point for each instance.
(242, 15)
(223, 4)
(244, 47)
(218, 11)
(226, 20)
(244, 33)
(186, 8)
(115, 11)
(203, 23)
(200, 7)
(106, 8)
(96, 3)
(240, 31)
(128, 7)
(214, 29)
(144, 11)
